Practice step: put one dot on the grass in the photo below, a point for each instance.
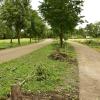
(4, 44)
(63, 76)
(94, 43)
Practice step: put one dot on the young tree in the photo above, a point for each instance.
(93, 30)
(7, 16)
(14, 13)
(62, 15)
(36, 27)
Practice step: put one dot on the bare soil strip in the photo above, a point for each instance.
(89, 72)
(9, 54)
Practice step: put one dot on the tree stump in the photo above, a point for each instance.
(16, 92)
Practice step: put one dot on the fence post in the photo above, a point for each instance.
(16, 92)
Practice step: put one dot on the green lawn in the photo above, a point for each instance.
(62, 76)
(4, 44)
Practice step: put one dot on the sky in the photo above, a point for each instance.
(90, 10)
(35, 4)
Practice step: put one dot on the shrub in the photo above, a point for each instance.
(41, 72)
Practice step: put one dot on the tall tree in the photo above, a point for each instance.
(62, 15)
(15, 13)
(36, 27)
(7, 16)
(93, 29)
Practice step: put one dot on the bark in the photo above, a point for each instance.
(30, 38)
(16, 92)
(11, 40)
(18, 36)
(61, 39)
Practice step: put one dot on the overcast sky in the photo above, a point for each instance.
(91, 9)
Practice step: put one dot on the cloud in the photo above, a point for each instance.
(35, 4)
(91, 10)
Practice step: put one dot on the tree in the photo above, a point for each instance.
(7, 16)
(15, 14)
(62, 15)
(40, 27)
(79, 33)
(93, 29)
(97, 29)
(36, 27)
(5, 32)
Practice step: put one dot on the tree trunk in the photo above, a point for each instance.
(18, 39)
(18, 36)
(4, 36)
(16, 92)
(61, 40)
(30, 38)
(11, 40)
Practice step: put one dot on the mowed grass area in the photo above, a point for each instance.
(4, 44)
(62, 75)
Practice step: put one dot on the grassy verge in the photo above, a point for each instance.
(4, 44)
(62, 76)
(92, 43)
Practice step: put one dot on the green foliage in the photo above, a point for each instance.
(37, 27)
(49, 33)
(79, 33)
(63, 16)
(17, 16)
(14, 14)
(93, 30)
(41, 72)
(92, 43)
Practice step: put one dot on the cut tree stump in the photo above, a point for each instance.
(16, 92)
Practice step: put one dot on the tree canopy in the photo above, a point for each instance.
(18, 16)
(93, 30)
(62, 15)
(14, 14)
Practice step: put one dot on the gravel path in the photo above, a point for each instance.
(89, 72)
(9, 54)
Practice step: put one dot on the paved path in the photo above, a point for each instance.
(89, 72)
(9, 54)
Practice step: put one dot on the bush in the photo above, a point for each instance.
(41, 72)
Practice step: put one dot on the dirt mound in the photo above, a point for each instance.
(58, 56)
